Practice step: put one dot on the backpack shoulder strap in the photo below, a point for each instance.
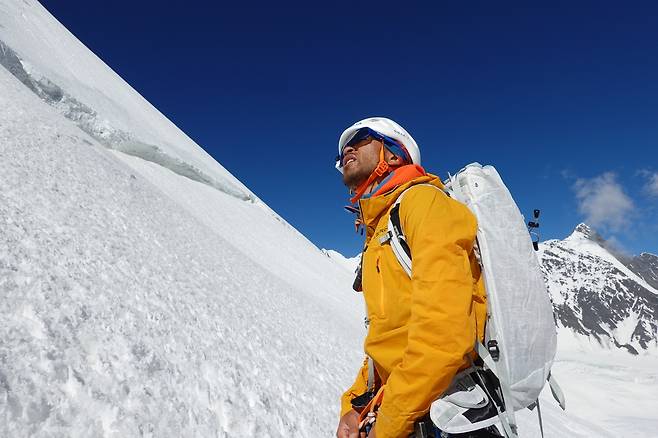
(395, 233)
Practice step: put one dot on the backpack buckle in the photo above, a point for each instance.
(494, 351)
(385, 238)
(381, 168)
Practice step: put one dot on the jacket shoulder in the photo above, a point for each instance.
(423, 201)
(422, 191)
(427, 195)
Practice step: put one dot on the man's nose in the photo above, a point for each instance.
(347, 149)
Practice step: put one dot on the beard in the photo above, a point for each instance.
(354, 177)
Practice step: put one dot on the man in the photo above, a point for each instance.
(422, 329)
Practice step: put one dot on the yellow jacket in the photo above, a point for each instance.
(422, 329)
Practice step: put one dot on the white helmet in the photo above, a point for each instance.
(386, 127)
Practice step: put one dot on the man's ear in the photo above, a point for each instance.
(392, 159)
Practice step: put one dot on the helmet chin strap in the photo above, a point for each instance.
(382, 169)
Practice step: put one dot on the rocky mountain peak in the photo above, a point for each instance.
(583, 228)
(584, 231)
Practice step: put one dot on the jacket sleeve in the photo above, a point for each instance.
(359, 387)
(441, 330)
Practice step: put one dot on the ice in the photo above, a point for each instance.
(74, 80)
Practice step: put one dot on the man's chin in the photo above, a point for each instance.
(352, 180)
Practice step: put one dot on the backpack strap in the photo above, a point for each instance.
(371, 375)
(558, 395)
(507, 417)
(395, 233)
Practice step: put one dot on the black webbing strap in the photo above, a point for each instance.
(399, 235)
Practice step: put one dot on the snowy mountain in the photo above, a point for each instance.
(145, 291)
(597, 296)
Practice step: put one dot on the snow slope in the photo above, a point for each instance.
(609, 388)
(124, 314)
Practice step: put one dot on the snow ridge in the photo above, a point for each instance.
(102, 130)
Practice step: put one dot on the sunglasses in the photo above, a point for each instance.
(364, 140)
(365, 133)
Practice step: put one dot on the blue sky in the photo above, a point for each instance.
(561, 98)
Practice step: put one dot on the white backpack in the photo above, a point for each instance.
(520, 335)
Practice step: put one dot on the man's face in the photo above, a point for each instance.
(359, 161)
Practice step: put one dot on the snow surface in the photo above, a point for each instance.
(610, 389)
(124, 314)
(139, 302)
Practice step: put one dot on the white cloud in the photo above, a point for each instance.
(603, 202)
(652, 184)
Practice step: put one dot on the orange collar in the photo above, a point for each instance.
(394, 177)
(399, 176)
(372, 207)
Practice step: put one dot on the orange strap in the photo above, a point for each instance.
(369, 414)
(381, 170)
